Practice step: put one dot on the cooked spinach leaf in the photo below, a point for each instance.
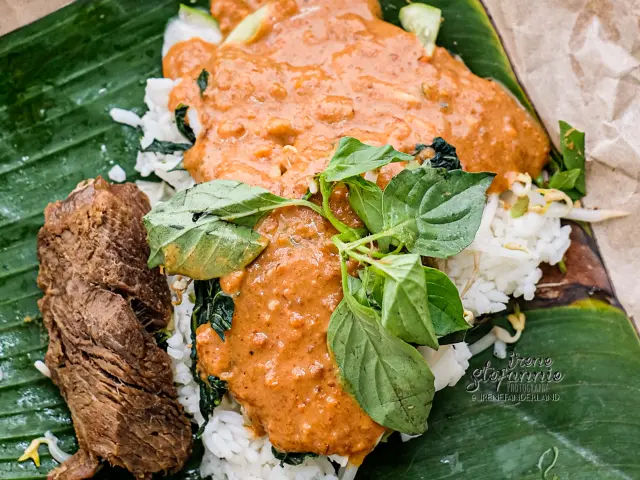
(405, 309)
(445, 154)
(212, 389)
(353, 157)
(159, 146)
(183, 126)
(291, 458)
(203, 81)
(435, 212)
(215, 306)
(161, 337)
(389, 378)
(206, 231)
(445, 306)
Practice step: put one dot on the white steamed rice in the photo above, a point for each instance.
(507, 253)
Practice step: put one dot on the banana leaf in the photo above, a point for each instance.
(62, 74)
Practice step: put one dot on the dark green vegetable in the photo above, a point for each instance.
(445, 154)
(209, 308)
(212, 390)
(159, 146)
(161, 337)
(203, 81)
(573, 152)
(348, 233)
(201, 247)
(214, 306)
(565, 181)
(291, 458)
(183, 126)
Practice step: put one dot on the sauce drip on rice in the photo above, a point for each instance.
(271, 116)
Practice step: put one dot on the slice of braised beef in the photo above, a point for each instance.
(100, 306)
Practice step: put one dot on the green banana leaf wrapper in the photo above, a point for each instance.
(62, 75)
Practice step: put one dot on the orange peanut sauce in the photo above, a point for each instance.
(271, 115)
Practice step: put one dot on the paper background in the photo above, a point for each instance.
(579, 61)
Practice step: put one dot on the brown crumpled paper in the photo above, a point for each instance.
(579, 61)
(15, 13)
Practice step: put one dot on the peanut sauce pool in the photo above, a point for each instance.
(271, 115)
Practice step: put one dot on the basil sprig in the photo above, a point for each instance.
(396, 301)
(207, 231)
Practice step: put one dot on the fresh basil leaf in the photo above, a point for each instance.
(353, 158)
(348, 233)
(566, 180)
(203, 81)
(230, 200)
(201, 248)
(405, 309)
(215, 307)
(373, 285)
(365, 198)
(206, 231)
(388, 377)
(445, 306)
(435, 212)
(356, 288)
(234, 201)
(520, 207)
(573, 157)
(291, 458)
(445, 154)
(183, 127)
(159, 146)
